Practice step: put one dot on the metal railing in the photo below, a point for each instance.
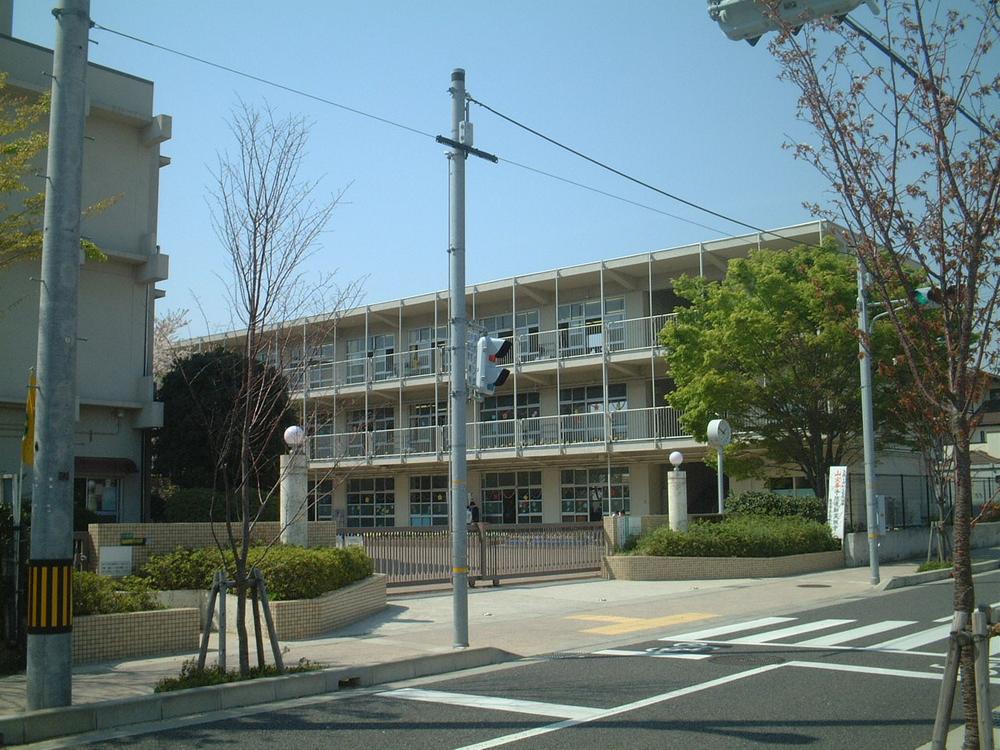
(423, 555)
(565, 342)
(531, 433)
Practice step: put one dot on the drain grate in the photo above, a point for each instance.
(814, 585)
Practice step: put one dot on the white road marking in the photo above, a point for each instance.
(653, 654)
(774, 635)
(607, 713)
(854, 634)
(866, 670)
(700, 635)
(537, 708)
(912, 641)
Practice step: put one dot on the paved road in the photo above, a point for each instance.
(859, 674)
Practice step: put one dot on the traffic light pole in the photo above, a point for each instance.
(456, 309)
(50, 565)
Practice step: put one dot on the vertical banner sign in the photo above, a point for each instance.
(836, 499)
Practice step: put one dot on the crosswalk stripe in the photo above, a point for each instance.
(536, 708)
(854, 633)
(912, 641)
(705, 634)
(774, 635)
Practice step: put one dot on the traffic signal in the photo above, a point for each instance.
(932, 296)
(751, 19)
(488, 374)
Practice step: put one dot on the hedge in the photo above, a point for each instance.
(289, 572)
(94, 594)
(740, 536)
(769, 504)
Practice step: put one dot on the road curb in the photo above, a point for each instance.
(49, 723)
(914, 579)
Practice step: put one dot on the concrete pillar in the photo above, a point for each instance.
(294, 491)
(677, 500)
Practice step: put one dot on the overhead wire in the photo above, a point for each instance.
(424, 133)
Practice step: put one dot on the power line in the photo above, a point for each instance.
(424, 133)
(266, 82)
(618, 172)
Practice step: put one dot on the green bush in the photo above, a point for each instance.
(192, 677)
(182, 569)
(740, 536)
(934, 565)
(758, 503)
(289, 572)
(98, 595)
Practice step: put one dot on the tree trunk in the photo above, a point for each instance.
(964, 599)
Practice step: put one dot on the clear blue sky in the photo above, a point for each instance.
(652, 87)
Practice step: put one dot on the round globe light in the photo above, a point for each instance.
(676, 458)
(295, 436)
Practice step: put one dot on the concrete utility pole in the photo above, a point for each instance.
(456, 309)
(50, 566)
(867, 419)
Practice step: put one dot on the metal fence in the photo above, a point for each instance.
(423, 555)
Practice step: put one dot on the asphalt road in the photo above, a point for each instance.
(859, 674)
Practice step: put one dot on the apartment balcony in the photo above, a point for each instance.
(628, 430)
(619, 339)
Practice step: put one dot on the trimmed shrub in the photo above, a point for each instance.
(740, 536)
(192, 677)
(99, 595)
(758, 503)
(289, 572)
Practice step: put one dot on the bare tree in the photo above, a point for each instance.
(269, 223)
(912, 152)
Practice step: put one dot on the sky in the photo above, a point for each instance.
(652, 88)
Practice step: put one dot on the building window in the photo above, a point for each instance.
(379, 423)
(512, 497)
(497, 415)
(98, 496)
(424, 421)
(423, 350)
(321, 500)
(379, 349)
(321, 367)
(429, 500)
(581, 325)
(371, 501)
(581, 410)
(583, 488)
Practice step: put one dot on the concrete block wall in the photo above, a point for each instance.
(646, 568)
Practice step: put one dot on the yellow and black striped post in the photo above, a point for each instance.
(50, 596)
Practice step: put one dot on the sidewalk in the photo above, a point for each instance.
(525, 618)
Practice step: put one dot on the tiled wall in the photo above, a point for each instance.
(135, 634)
(166, 537)
(645, 568)
(305, 618)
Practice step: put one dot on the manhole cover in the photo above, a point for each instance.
(814, 585)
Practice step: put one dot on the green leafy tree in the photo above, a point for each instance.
(23, 138)
(200, 395)
(773, 347)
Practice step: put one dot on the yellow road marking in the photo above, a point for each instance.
(621, 625)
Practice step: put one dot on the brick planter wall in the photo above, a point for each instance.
(135, 634)
(295, 619)
(647, 568)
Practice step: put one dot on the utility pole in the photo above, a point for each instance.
(461, 146)
(456, 308)
(867, 419)
(50, 565)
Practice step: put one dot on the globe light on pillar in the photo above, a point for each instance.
(676, 458)
(293, 489)
(677, 502)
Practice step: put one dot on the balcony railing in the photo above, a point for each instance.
(529, 434)
(566, 342)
